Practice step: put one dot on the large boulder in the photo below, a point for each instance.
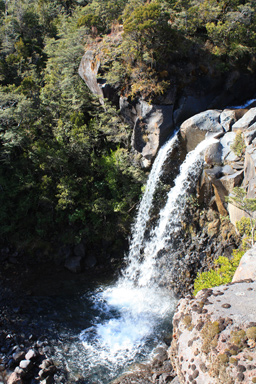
(247, 266)
(214, 336)
(226, 141)
(246, 121)
(250, 134)
(194, 130)
(213, 154)
(228, 118)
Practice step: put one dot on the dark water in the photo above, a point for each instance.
(97, 329)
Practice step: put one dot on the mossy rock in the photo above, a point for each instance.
(251, 333)
(210, 333)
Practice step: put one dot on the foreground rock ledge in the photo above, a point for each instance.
(214, 336)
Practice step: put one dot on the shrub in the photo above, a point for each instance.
(238, 144)
(222, 273)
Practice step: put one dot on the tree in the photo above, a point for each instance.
(239, 200)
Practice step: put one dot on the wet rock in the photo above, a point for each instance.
(14, 379)
(90, 261)
(18, 356)
(31, 355)
(48, 380)
(73, 264)
(26, 365)
(79, 250)
(19, 371)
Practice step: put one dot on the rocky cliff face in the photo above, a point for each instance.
(187, 95)
(223, 169)
(214, 334)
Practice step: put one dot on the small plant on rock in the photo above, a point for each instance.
(238, 144)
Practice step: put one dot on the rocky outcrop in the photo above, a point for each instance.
(223, 169)
(88, 70)
(214, 336)
(158, 371)
(247, 266)
(151, 130)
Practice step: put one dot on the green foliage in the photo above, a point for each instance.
(222, 273)
(66, 171)
(238, 145)
(244, 227)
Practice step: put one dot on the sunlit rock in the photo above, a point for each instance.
(228, 118)
(247, 266)
(194, 130)
(250, 170)
(213, 154)
(246, 121)
(214, 336)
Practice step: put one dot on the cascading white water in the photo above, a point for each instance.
(170, 215)
(139, 227)
(132, 312)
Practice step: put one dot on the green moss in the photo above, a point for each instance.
(187, 319)
(223, 358)
(210, 332)
(232, 351)
(251, 333)
(238, 338)
(233, 360)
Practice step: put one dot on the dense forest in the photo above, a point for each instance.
(67, 169)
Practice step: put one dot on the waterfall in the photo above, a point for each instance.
(131, 314)
(170, 215)
(139, 227)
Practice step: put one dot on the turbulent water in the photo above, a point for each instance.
(130, 317)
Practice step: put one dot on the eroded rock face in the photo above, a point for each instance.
(214, 336)
(88, 70)
(151, 129)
